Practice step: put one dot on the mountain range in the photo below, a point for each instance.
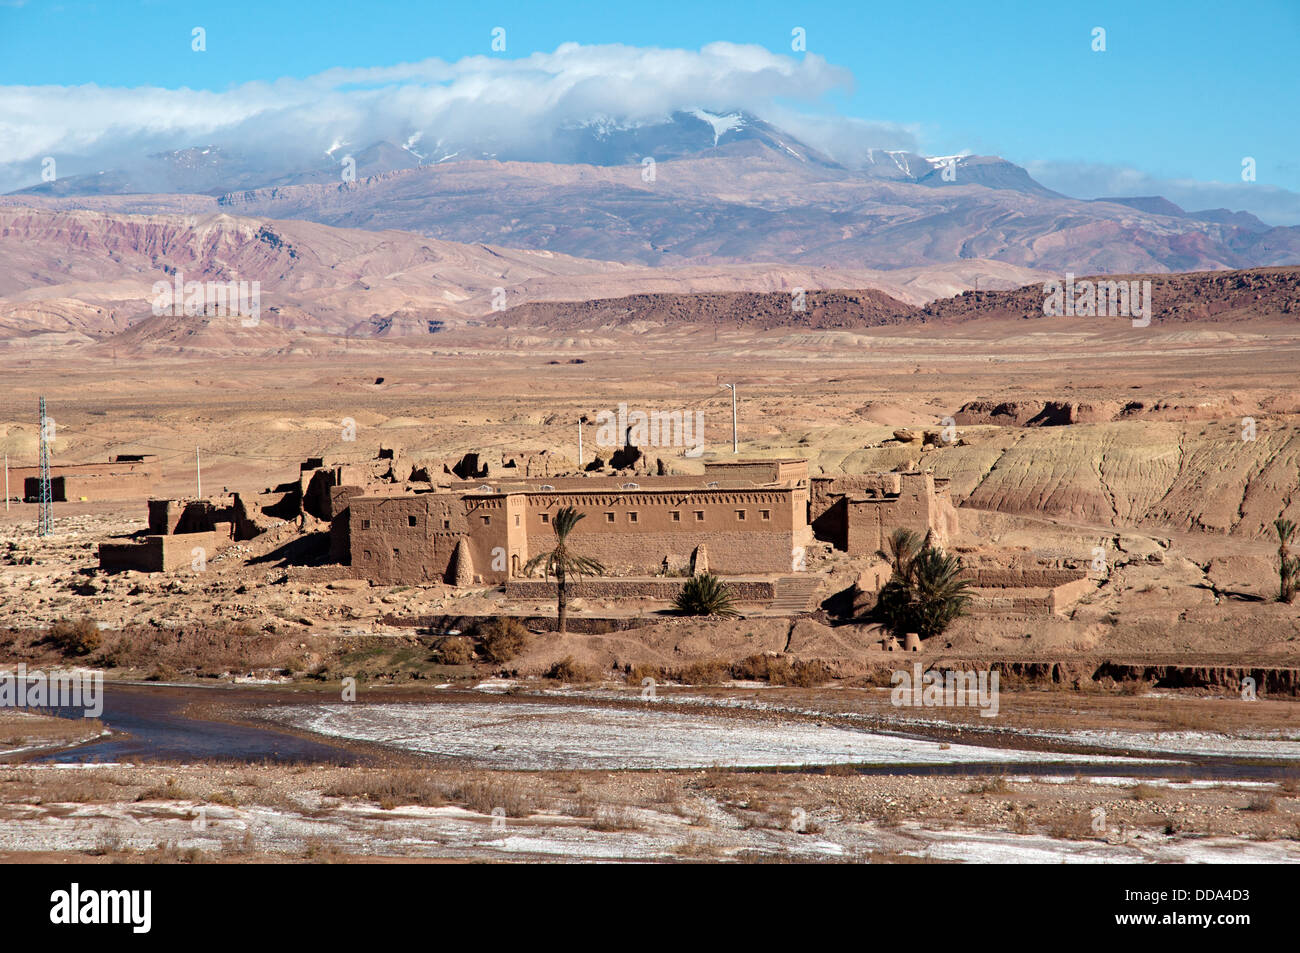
(725, 187)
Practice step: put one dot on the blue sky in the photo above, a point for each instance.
(1182, 93)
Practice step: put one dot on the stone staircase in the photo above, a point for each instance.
(795, 594)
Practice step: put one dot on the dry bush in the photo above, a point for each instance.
(780, 670)
(390, 789)
(1262, 804)
(1072, 826)
(454, 650)
(884, 678)
(638, 673)
(615, 819)
(171, 791)
(1145, 792)
(200, 649)
(75, 638)
(483, 796)
(318, 851)
(78, 787)
(503, 638)
(887, 815)
(1134, 686)
(170, 853)
(1182, 719)
(708, 672)
(668, 791)
(568, 670)
(693, 849)
(994, 785)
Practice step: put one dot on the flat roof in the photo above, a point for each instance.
(750, 463)
(595, 491)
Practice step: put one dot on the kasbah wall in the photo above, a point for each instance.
(750, 516)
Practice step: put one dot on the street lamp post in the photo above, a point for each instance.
(735, 442)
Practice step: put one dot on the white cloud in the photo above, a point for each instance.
(508, 105)
(510, 102)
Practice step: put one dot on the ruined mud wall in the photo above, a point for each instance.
(158, 553)
(91, 483)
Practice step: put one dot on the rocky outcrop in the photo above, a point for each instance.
(1160, 476)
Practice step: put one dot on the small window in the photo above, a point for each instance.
(516, 519)
(765, 514)
(446, 524)
(631, 517)
(677, 516)
(609, 517)
(740, 515)
(411, 521)
(365, 524)
(487, 521)
(546, 517)
(699, 516)
(365, 554)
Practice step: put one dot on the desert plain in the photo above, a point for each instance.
(1123, 731)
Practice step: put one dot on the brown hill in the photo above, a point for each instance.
(1214, 296)
(74, 276)
(1202, 296)
(820, 310)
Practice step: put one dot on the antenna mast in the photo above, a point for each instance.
(46, 516)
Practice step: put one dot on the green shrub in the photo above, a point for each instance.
(705, 595)
(927, 591)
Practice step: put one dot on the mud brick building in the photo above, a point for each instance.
(488, 534)
(740, 518)
(183, 533)
(745, 517)
(858, 512)
(125, 477)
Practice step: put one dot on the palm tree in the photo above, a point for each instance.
(1288, 566)
(926, 592)
(941, 594)
(562, 564)
(901, 549)
(705, 595)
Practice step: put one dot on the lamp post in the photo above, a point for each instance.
(582, 420)
(735, 443)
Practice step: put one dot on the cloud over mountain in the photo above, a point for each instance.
(512, 106)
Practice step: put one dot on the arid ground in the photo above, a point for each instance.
(1184, 451)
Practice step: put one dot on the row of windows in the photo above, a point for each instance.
(632, 517)
(413, 521)
(675, 515)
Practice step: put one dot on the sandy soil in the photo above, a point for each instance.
(1177, 500)
(212, 813)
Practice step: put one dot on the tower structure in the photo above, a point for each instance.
(45, 525)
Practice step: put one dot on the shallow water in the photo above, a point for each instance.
(148, 723)
(491, 731)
